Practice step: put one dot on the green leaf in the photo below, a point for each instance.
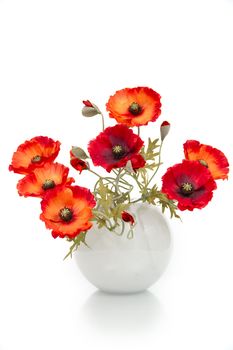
(156, 197)
(117, 210)
(149, 153)
(76, 243)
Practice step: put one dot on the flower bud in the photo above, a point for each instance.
(77, 163)
(127, 217)
(78, 152)
(90, 109)
(164, 129)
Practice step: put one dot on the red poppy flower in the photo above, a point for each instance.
(113, 147)
(190, 183)
(127, 217)
(208, 156)
(77, 163)
(43, 179)
(67, 211)
(134, 107)
(33, 154)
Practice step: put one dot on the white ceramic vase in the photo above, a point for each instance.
(116, 264)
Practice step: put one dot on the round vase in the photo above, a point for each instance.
(117, 264)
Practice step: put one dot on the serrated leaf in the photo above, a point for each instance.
(156, 197)
(76, 243)
(150, 153)
(117, 210)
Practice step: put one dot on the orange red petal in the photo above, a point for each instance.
(148, 102)
(213, 158)
(44, 179)
(33, 154)
(78, 200)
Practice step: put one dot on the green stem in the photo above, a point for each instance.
(123, 180)
(160, 148)
(117, 191)
(137, 200)
(125, 188)
(100, 213)
(112, 181)
(114, 171)
(93, 172)
(138, 183)
(122, 229)
(102, 116)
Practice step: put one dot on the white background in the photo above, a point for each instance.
(54, 54)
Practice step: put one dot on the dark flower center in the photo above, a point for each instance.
(118, 151)
(186, 189)
(36, 159)
(66, 214)
(48, 184)
(135, 108)
(203, 162)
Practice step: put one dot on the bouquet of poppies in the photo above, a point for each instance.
(69, 210)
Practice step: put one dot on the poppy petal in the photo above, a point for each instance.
(145, 102)
(33, 154)
(43, 179)
(209, 156)
(113, 147)
(78, 201)
(190, 183)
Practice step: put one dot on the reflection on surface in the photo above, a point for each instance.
(122, 312)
